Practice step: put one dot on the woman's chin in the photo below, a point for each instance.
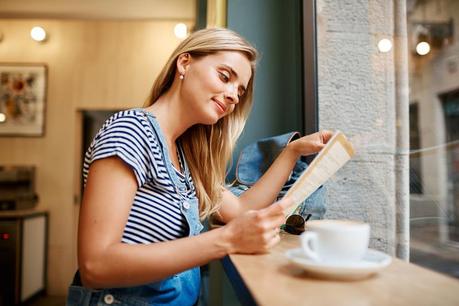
(211, 119)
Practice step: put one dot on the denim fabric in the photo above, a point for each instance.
(178, 290)
(81, 296)
(257, 157)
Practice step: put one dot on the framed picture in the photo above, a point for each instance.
(22, 99)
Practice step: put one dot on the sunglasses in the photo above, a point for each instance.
(295, 223)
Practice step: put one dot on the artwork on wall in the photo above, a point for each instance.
(22, 99)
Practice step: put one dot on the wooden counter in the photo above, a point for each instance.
(270, 280)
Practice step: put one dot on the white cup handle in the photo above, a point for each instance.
(309, 243)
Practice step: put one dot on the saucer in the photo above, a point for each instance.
(372, 262)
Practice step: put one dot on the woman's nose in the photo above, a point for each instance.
(231, 95)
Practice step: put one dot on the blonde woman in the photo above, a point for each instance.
(151, 174)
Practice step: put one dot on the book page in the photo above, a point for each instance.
(332, 157)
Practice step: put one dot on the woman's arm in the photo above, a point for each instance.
(266, 189)
(106, 262)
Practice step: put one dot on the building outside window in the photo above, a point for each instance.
(434, 133)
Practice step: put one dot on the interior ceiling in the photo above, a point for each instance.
(99, 9)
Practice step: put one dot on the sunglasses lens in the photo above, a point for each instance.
(295, 221)
(295, 224)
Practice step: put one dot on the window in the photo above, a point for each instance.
(434, 135)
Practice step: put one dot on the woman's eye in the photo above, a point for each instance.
(224, 77)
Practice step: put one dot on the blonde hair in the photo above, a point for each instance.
(208, 148)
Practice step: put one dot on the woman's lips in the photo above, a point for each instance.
(221, 107)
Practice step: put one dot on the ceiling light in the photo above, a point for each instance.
(422, 48)
(38, 34)
(181, 30)
(384, 45)
(430, 36)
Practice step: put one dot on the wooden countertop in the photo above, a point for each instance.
(270, 280)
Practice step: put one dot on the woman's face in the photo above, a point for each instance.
(213, 84)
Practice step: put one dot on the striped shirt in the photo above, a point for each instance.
(155, 212)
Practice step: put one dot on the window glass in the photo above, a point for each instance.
(404, 177)
(434, 134)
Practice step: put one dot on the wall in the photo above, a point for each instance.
(357, 96)
(100, 9)
(91, 65)
(274, 27)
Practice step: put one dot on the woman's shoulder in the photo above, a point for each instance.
(128, 116)
(128, 123)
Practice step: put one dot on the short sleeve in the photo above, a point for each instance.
(128, 138)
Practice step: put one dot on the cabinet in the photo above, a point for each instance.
(23, 250)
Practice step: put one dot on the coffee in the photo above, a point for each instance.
(335, 241)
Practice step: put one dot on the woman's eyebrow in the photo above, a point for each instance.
(233, 72)
(230, 69)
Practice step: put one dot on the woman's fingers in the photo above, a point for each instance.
(257, 231)
(273, 242)
(273, 216)
(313, 143)
(326, 135)
(317, 146)
(271, 223)
(277, 208)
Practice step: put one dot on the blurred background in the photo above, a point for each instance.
(383, 72)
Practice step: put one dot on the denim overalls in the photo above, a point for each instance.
(181, 289)
(257, 157)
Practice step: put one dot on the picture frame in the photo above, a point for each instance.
(22, 99)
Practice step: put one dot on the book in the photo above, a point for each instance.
(337, 152)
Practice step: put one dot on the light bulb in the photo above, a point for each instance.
(180, 30)
(384, 45)
(423, 48)
(2, 117)
(38, 34)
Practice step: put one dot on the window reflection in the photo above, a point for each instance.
(434, 134)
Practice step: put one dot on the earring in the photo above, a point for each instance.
(181, 77)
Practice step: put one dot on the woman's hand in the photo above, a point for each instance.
(256, 231)
(310, 144)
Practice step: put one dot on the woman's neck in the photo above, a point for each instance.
(171, 116)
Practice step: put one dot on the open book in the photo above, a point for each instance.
(333, 156)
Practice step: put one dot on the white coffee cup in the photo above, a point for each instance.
(335, 241)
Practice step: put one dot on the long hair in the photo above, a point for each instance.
(208, 148)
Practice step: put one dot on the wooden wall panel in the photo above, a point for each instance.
(91, 65)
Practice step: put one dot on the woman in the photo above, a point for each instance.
(151, 174)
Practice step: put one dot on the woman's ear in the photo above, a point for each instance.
(183, 61)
